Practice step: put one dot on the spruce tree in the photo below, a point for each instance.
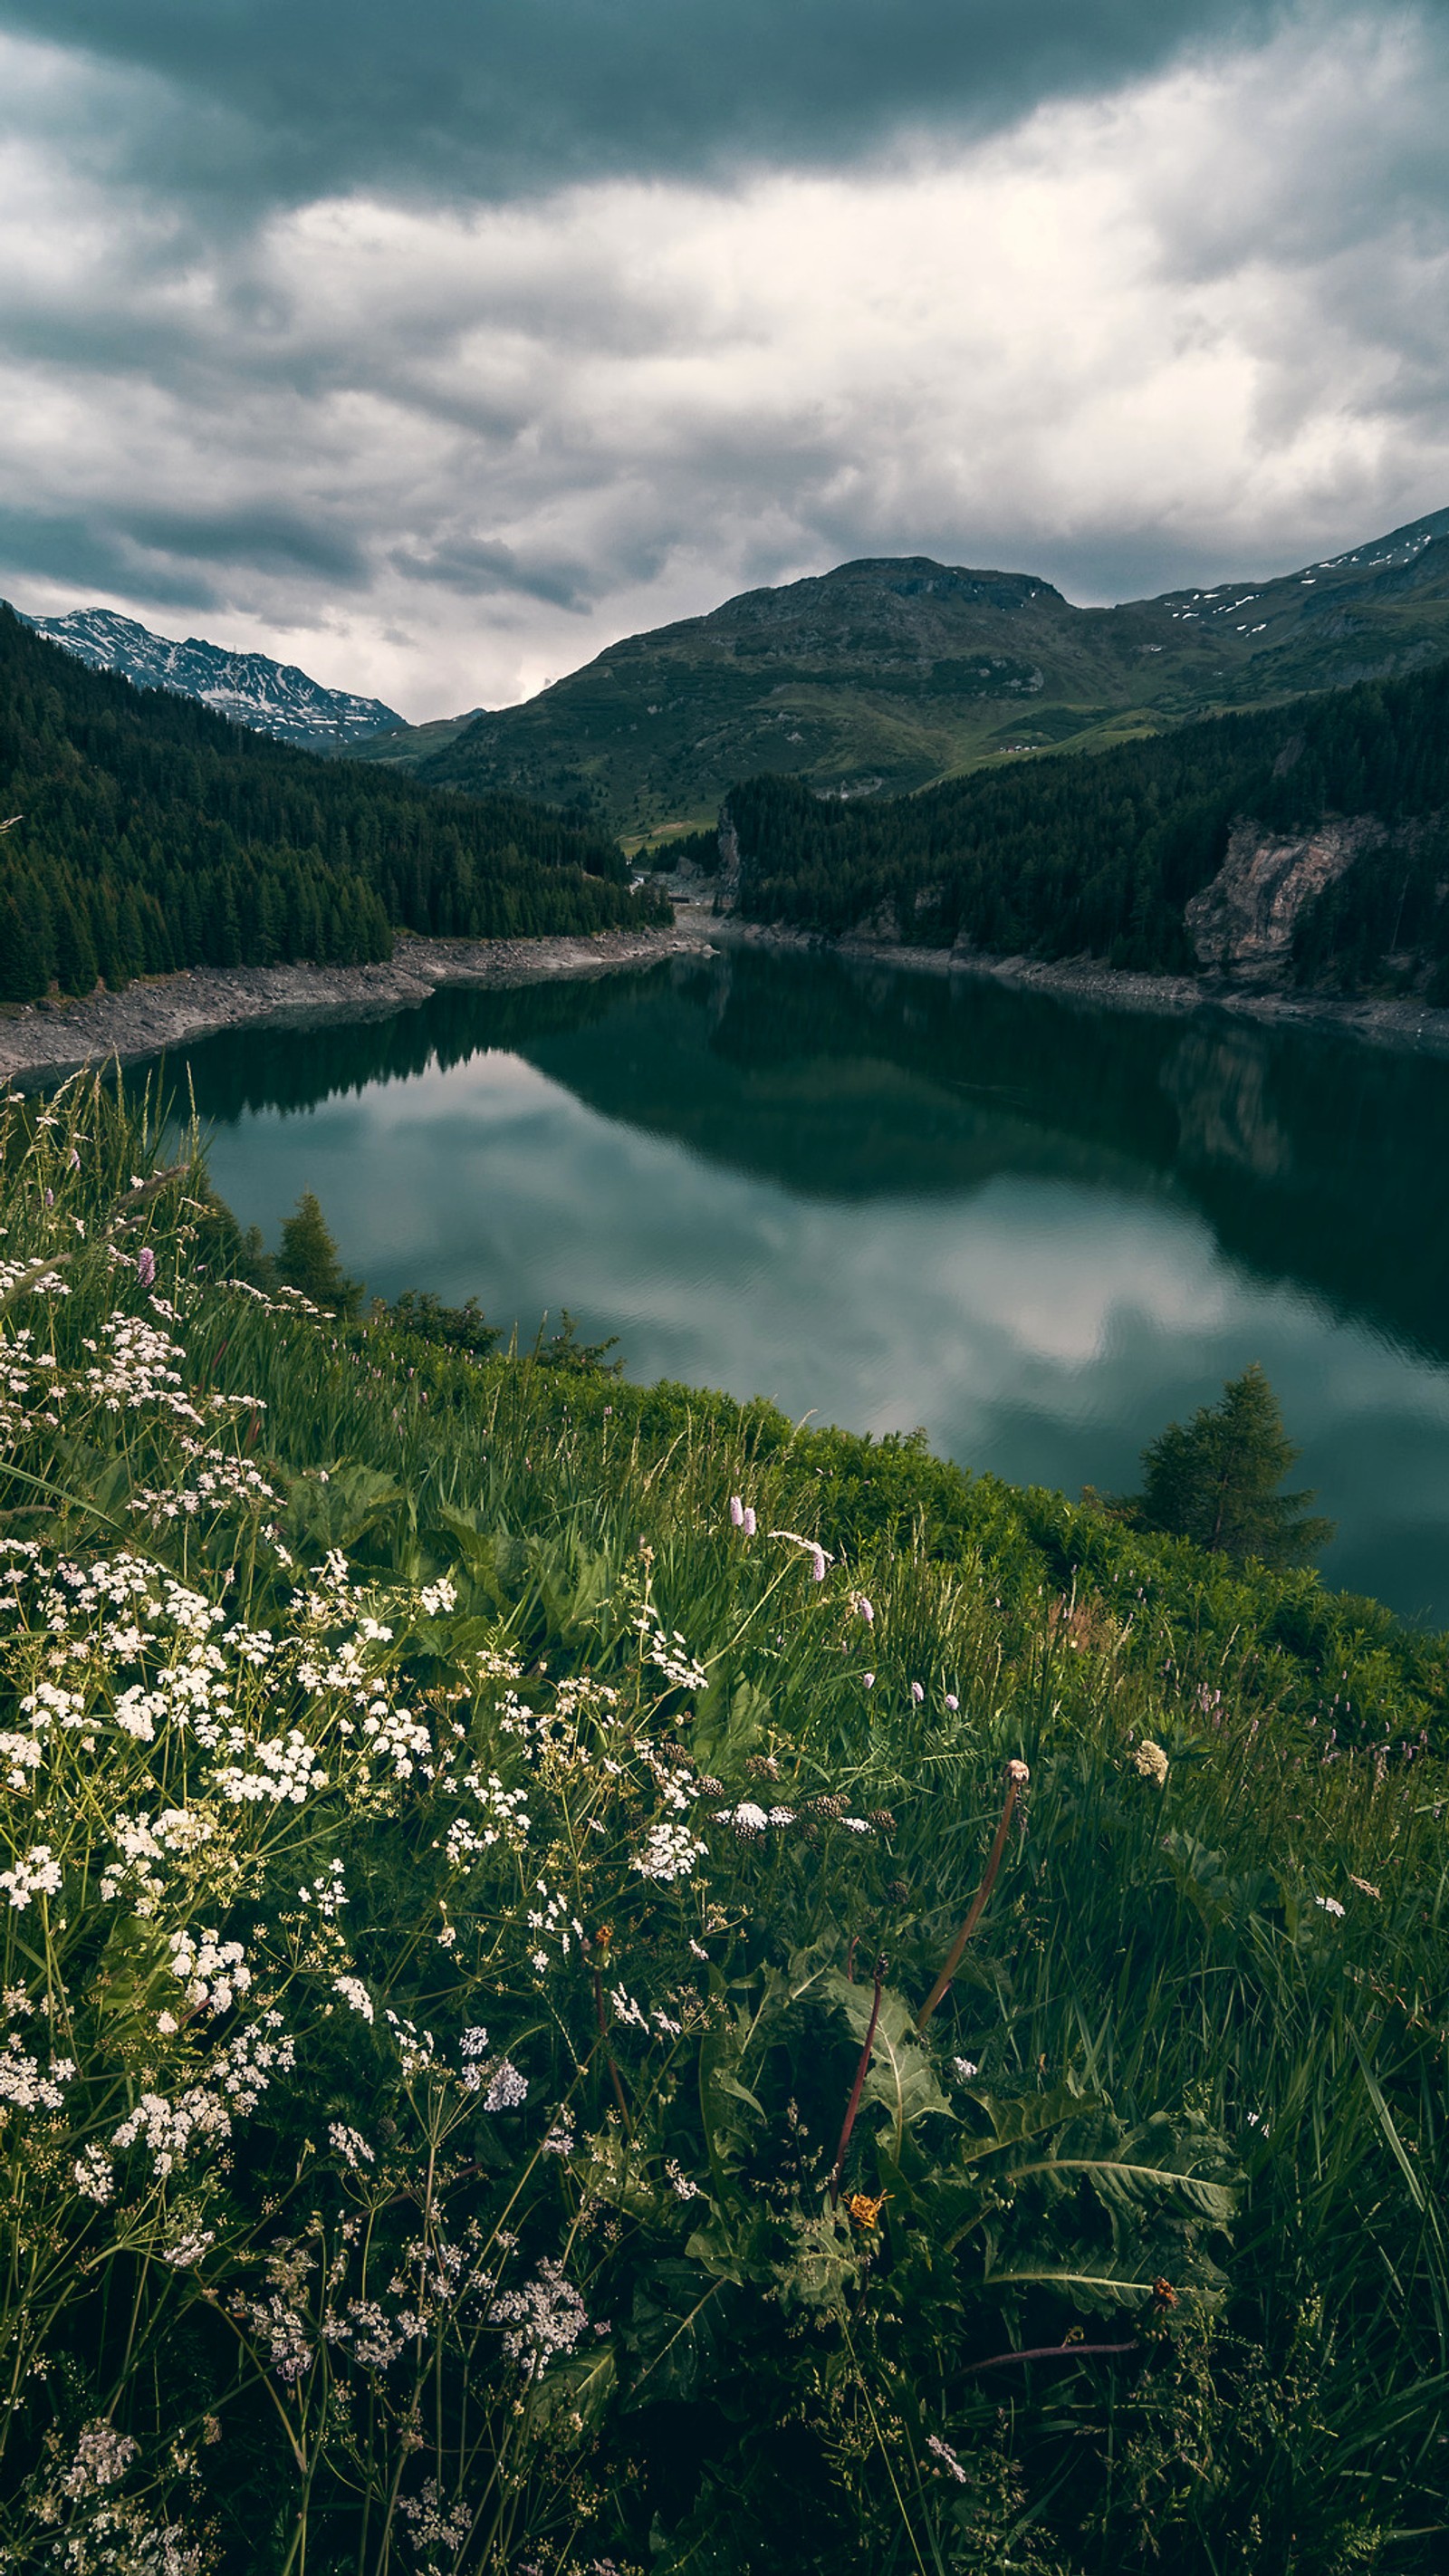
(1215, 1479)
(308, 1260)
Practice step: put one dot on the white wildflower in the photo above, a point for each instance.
(507, 2088)
(94, 2179)
(351, 2145)
(38, 1874)
(669, 1852)
(102, 2455)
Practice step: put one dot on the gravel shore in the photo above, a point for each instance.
(169, 1011)
(1409, 1025)
(173, 1010)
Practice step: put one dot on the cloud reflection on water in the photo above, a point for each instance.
(1040, 1326)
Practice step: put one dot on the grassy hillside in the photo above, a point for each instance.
(475, 1897)
(883, 675)
(1100, 855)
(143, 833)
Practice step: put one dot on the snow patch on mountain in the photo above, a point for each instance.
(270, 697)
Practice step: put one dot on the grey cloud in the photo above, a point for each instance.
(450, 97)
(272, 539)
(91, 554)
(183, 559)
(480, 568)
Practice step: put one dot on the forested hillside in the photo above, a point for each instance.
(1099, 854)
(143, 833)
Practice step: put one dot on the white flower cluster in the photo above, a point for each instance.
(142, 1843)
(135, 1367)
(546, 2317)
(350, 2145)
(672, 1657)
(285, 1770)
(94, 2178)
(330, 1893)
(506, 2090)
(102, 2455)
(202, 2115)
(19, 1756)
(214, 1972)
(505, 1812)
(36, 1874)
(669, 1852)
(430, 2526)
(222, 1483)
(393, 1736)
(416, 2048)
(25, 2086)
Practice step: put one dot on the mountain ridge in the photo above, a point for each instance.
(888, 673)
(250, 688)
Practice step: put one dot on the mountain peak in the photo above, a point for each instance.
(249, 688)
(889, 671)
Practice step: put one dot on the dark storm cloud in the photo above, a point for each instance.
(266, 98)
(481, 569)
(274, 540)
(175, 555)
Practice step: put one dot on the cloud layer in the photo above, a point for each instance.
(439, 425)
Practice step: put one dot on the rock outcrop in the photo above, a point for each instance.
(1242, 924)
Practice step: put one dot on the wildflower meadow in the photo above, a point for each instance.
(593, 1984)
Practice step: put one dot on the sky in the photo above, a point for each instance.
(435, 347)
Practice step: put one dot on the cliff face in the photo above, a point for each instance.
(1242, 924)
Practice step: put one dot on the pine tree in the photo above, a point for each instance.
(308, 1260)
(1215, 1478)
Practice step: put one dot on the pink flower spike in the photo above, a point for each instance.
(737, 1511)
(146, 1266)
(952, 1702)
(817, 1564)
(869, 1680)
(916, 1691)
(749, 1521)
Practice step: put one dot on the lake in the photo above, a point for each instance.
(885, 1198)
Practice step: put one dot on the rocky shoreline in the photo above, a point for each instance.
(168, 1011)
(1409, 1025)
(148, 1018)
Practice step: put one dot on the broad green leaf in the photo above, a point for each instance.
(900, 2077)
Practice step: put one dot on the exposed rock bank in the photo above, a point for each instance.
(1407, 1024)
(173, 1010)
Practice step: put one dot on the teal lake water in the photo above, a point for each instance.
(885, 1199)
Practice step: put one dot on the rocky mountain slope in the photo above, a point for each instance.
(270, 697)
(884, 675)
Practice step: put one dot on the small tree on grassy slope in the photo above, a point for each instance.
(1215, 1479)
(309, 1260)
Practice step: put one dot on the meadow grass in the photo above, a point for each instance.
(479, 1841)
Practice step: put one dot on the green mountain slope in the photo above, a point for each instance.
(884, 675)
(139, 833)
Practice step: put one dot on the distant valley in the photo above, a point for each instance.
(885, 675)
